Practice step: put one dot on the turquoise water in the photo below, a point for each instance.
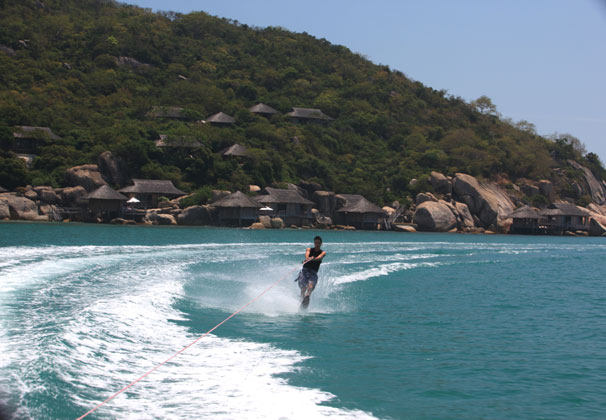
(411, 326)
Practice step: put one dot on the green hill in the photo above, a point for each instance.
(92, 70)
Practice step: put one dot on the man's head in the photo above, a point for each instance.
(318, 241)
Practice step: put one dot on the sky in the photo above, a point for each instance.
(543, 61)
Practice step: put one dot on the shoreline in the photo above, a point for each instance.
(311, 228)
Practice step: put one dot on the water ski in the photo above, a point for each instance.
(305, 302)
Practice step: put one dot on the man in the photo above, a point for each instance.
(308, 277)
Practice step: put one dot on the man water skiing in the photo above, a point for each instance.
(308, 277)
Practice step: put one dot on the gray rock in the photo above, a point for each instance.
(266, 221)
(48, 196)
(277, 223)
(20, 208)
(434, 217)
(71, 195)
(87, 176)
(257, 225)
(113, 169)
(5, 212)
(465, 218)
(487, 202)
(196, 216)
(423, 197)
(440, 183)
(31, 195)
(596, 188)
(216, 195)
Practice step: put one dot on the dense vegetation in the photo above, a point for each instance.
(387, 129)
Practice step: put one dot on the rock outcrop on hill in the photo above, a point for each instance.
(487, 202)
(87, 176)
(113, 169)
(596, 188)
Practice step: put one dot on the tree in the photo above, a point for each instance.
(484, 105)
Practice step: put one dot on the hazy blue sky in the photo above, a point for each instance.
(539, 60)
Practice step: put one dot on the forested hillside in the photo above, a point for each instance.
(92, 70)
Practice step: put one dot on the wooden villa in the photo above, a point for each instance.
(527, 221)
(169, 112)
(263, 110)
(292, 207)
(28, 139)
(234, 150)
(221, 119)
(307, 114)
(105, 203)
(148, 191)
(166, 141)
(236, 209)
(357, 211)
(562, 217)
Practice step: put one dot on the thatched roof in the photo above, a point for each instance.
(167, 112)
(234, 150)
(29, 132)
(526, 212)
(166, 140)
(355, 203)
(152, 186)
(262, 109)
(564, 209)
(105, 192)
(308, 114)
(221, 118)
(277, 195)
(237, 199)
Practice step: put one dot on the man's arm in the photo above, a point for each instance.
(307, 255)
(319, 257)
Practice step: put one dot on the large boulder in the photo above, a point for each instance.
(277, 223)
(216, 195)
(47, 195)
(257, 225)
(5, 212)
(20, 208)
(434, 217)
(440, 183)
(266, 221)
(87, 176)
(423, 197)
(404, 228)
(464, 217)
(71, 195)
(196, 216)
(596, 188)
(596, 228)
(487, 202)
(113, 169)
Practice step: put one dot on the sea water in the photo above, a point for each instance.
(401, 326)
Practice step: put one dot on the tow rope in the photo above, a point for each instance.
(114, 395)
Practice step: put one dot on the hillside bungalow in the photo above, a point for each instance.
(148, 191)
(526, 221)
(28, 139)
(177, 142)
(105, 202)
(357, 211)
(562, 217)
(307, 114)
(236, 209)
(221, 119)
(168, 112)
(234, 150)
(289, 205)
(263, 110)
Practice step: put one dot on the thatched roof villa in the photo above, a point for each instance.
(28, 139)
(221, 119)
(235, 150)
(148, 191)
(526, 221)
(105, 202)
(561, 217)
(236, 209)
(292, 207)
(357, 211)
(307, 114)
(263, 110)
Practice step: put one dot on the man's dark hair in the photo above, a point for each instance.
(317, 238)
